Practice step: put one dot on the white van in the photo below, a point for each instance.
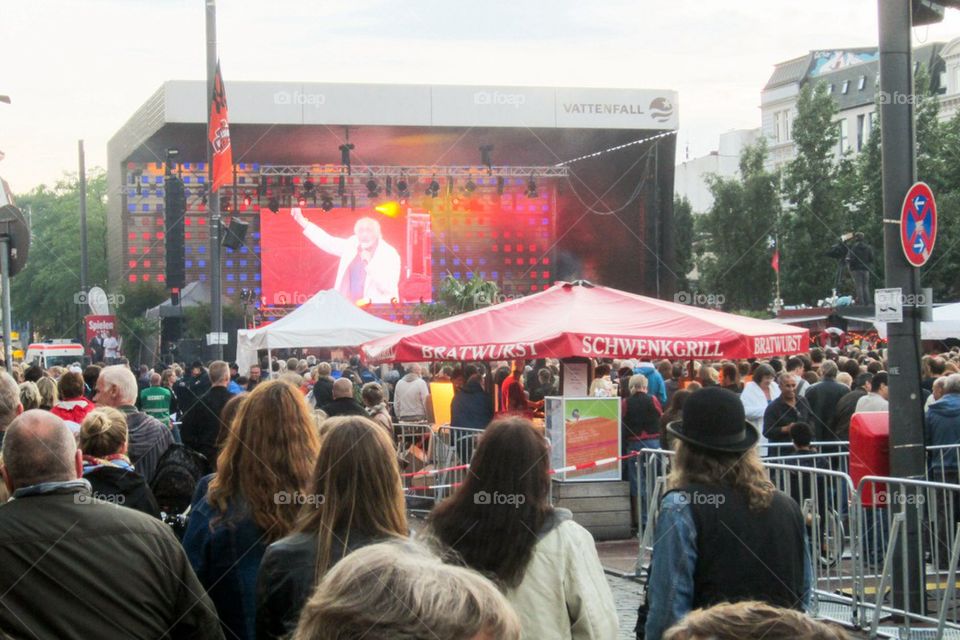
(52, 354)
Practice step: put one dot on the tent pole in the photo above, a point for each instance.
(269, 363)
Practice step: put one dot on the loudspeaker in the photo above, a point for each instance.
(236, 234)
(174, 210)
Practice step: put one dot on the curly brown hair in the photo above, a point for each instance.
(741, 472)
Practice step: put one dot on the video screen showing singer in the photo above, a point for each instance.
(369, 267)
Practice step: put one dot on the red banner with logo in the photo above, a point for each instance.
(218, 133)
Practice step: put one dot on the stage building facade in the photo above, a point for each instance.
(520, 185)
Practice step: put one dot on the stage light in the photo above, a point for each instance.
(274, 205)
(433, 189)
(390, 209)
(485, 158)
(500, 183)
(531, 191)
(403, 189)
(373, 189)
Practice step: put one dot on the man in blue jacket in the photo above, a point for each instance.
(656, 386)
(943, 429)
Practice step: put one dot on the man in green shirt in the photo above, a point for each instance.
(155, 400)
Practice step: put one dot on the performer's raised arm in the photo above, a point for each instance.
(318, 236)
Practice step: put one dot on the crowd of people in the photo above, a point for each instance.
(297, 522)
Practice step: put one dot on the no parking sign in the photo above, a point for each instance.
(918, 224)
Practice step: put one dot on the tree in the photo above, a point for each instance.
(139, 333)
(736, 263)
(47, 292)
(819, 213)
(683, 241)
(459, 296)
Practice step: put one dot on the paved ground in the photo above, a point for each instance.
(626, 593)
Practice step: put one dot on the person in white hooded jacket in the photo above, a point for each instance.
(500, 522)
(757, 395)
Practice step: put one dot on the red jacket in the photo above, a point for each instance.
(73, 410)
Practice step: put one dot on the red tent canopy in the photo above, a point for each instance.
(580, 319)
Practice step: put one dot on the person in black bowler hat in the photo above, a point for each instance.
(724, 533)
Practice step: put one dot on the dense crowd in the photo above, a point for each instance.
(198, 502)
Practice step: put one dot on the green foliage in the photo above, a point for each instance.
(197, 319)
(817, 187)
(44, 292)
(736, 264)
(459, 296)
(683, 241)
(140, 334)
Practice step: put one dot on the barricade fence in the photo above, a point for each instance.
(856, 539)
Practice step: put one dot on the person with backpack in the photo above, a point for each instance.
(254, 498)
(103, 441)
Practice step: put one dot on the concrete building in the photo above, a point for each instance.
(852, 77)
(692, 176)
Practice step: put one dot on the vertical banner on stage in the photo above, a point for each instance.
(584, 430)
(102, 342)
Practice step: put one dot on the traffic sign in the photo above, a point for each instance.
(918, 224)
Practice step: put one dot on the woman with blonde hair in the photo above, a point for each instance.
(30, 396)
(399, 589)
(103, 441)
(724, 532)
(252, 500)
(48, 393)
(355, 499)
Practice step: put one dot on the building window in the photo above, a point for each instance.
(844, 136)
(862, 83)
(830, 89)
(862, 132)
(781, 124)
(846, 87)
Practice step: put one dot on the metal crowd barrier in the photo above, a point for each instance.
(423, 448)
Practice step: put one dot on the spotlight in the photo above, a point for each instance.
(531, 191)
(274, 205)
(403, 189)
(470, 186)
(433, 189)
(485, 158)
(373, 189)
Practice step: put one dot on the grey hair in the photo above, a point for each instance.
(29, 396)
(638, 381)
(952, 385)
(219, 371)
(400, 591)
(119, 376)
(829, 369)
(9, 399)
(39, 447)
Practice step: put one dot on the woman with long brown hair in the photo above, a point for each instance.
(500, 522)
(724, 532)
(355, 499)
(253, 499)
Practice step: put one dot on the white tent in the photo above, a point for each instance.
(945, 324)
(325, 320)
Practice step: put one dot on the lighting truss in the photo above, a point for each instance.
(413, 173)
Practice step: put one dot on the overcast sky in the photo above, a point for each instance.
(79, 68)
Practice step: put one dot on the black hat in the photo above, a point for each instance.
(713, 419)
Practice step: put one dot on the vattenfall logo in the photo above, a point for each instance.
(660, 109)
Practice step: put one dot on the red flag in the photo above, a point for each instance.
(775, 261)
(218, 133)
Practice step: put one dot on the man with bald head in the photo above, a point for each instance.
(76, 554)
(343, 403)
(790, 407)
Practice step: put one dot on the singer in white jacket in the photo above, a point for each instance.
(369, 267)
